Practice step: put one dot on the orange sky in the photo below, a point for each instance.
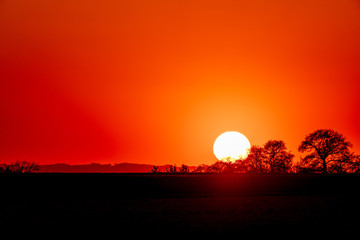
(157, 81)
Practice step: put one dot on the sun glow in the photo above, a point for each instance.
(231, 146)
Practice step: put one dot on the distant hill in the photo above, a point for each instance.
(99, 168)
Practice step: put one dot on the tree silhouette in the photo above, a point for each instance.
(278, 159)
(255, 161)
(328, 151)
(355, 164)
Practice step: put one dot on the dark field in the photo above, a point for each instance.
(143, 204)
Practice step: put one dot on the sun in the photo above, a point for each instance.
(231, 146)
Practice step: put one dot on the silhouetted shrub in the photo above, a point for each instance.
(20, 167)
(202, 168)
(184, 169)
(171, 169)
(154, 170)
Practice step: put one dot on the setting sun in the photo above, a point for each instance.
(233, 145)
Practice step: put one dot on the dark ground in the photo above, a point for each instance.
(152, 205)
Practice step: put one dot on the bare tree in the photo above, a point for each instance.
(328, 151)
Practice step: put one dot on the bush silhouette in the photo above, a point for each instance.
(171, 169)
(184, 169)
(20, 167)
(154, 170)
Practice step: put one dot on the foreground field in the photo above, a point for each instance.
(182, 204)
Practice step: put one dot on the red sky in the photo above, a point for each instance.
(157, 81)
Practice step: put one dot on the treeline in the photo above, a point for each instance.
(326, 151)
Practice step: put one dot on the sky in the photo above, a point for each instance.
(157, 81)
